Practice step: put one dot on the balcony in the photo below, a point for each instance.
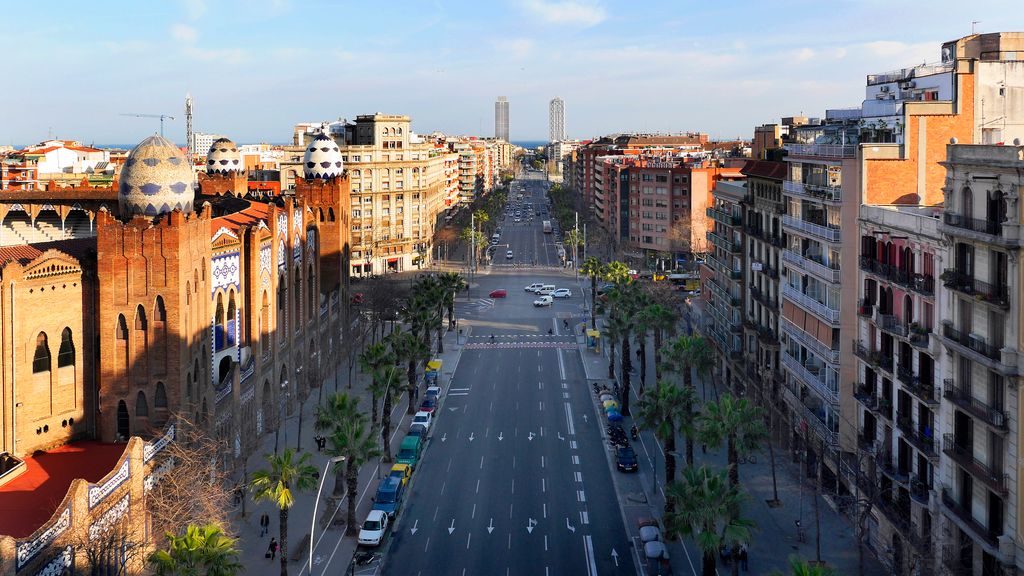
(813, 191)
(724, 243)
(962, 513)
(815, 419)
(891, 324)
(969, 342)
(988, 230)
(812, 377)
(962, 455)
(724, 217)
(971, 286)
(923, 284)
(761, 297)
(767, 336)
(810, 342)
(806, 228)
(873, 357)
(992, 416)
(822, 150)
(919, 490)
(866, 397)
(811, 266)
(723, 293)
(887, 464)
(865, 309)
(916, 437)
(898, 515)
(913, 383)
(810, 304)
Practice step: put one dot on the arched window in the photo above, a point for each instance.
(330, 214)
(66, 354)
(907, 264)
(41, 359)
(967, 203)
(140, 318)
(321, 213)
(218, 316)
(312, 292)
(160, 397)
(188, 293)
(203, 269)
(121, 332)
(908, 310)
(188, 386)
(141, 407)
(996, 209)
(298, 296)
(122, 421)
(230, 320)
(265, 324)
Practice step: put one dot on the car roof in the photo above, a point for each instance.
(389, 482)
(399, 466)
(422, 413)
(376, 515)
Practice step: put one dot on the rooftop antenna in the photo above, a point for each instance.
(973, 24)
(188, 130)
(162, 117)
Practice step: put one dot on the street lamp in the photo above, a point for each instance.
(312, 525)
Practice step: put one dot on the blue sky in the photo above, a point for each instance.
(255, 67)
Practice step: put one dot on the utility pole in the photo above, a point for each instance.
(576, 247)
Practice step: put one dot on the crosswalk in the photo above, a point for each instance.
(518, 345)
(480, 304)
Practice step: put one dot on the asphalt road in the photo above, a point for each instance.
(515, 477)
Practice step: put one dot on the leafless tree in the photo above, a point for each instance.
(111, 546)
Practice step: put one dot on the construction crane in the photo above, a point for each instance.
(160, 116)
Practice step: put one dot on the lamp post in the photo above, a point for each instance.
(282, 398)
(312, 524)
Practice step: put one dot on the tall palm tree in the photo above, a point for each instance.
(201, 550)
(453, 283)
(594, 269)
(707, 509)
(662, 410)
(615, 328)
(616, 272)
(410, 349)
(335, 413)
(354, 441)
(392, 387)
(800, 567)
(688, 354)
(737, 423)
(660, 319)
(641, 326)
(373, 359)
(286, 473)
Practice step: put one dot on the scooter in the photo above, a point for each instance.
(634, 432)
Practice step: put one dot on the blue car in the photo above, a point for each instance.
(389, 496)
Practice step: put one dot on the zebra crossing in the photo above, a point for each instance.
(480, 304)
(520, 342)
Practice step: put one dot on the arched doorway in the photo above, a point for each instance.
(122, 421)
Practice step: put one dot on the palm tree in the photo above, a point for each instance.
(707, 509)
(800, 567)
(736, 422)
(391, 388)
(615, 328)
(371, 361)
(286, 473)
(201, 550)
(641, 326)
(356, 444)
(687, 354)
(616, 272)
(594, 269)
(453, 283)
(335, 413)
(407, 347)
(662, 410)
(660, 318)
(573, 239)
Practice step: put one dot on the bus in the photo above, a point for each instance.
(547, 226)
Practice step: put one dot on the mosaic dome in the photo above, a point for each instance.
(223, 157)
(155, 179)
(322, 158)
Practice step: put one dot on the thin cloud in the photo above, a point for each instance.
(517, 48)
(194, 8)
(579, 12)
(183, 33)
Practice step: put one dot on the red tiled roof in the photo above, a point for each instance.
(39, 151)
(765, 169)
(250, 216)
(25, 253)
(29, 501)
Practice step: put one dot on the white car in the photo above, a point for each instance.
(562, 293)
(374, 528)
(534, 287)
(508, 254)
(424, 418)
(543, 301)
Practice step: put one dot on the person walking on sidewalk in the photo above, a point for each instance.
(264, 524)
(272, 549)
(743, 557)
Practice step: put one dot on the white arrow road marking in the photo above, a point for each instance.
(414, 528)
(615, 556)
(530, 437)
(560, 436)
(453, 409)
(584, 418)
(499, 437)
(567, 525)
(530, 523)
(470, 436)
(490, 527)
(444, 437)
(452, 527)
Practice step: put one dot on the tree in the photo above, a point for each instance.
(660, 319)
(200, 551)
(707, 508)
(391, 388)
(662, 409)
(594, 269)
(356, 444)
(737, 423)
(453, 283)
(372, 361)
(617, 273)
(331, 416)
(476, 237)
(688, 354)
(800, 567)
(573, 239)
(116, 548)
(286, 473)
(410, 349)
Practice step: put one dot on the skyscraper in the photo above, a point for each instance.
(556, 120)
(501, 118)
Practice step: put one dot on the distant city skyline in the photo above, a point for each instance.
(651, 67)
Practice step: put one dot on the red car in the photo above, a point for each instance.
(428, 405)
(500, 293)
(357, 298)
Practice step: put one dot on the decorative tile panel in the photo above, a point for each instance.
(151, 449)
(110, 517)
(97, 492)
(226, 271)
(27, 551)
(59, 564)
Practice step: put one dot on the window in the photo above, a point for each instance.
(141, 407)
(41, 359)
(66, 354)
(140, 318)
(121, 332)
(160, 396)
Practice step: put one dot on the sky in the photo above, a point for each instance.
(257, 67)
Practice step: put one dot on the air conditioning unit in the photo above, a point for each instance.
(885, 88)
(908, 85)
(880, 96)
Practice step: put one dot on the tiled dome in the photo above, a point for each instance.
(223, 157)
(156, 179)
(322, 158)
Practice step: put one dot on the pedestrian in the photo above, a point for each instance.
(743, 557)
(272, 549)
(264, 524)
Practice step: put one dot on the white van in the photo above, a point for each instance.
(545, 290)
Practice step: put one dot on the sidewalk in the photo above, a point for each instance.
(332, 551)
(774, 539)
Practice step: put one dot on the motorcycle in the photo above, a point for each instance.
(634, 432)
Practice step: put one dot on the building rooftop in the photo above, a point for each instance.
(250, 216)
(28, 501)
(78, 248)
(765, 169)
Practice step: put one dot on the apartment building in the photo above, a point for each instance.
(724, 279)
(980, 411)
(898, 373)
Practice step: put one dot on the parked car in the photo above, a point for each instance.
(625, 459)
(409, 451)
(423, 418)
(534, 287)
(428, 405)
(508, 253)
(562, 293)
(418, 430)
(389, 496)
(433, 391)
(543, 301)
(500, 293)
(401, 471)
(374, 528)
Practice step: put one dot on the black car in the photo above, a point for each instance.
(625, 459)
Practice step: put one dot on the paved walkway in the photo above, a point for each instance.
(642, 495)
(333, 551)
